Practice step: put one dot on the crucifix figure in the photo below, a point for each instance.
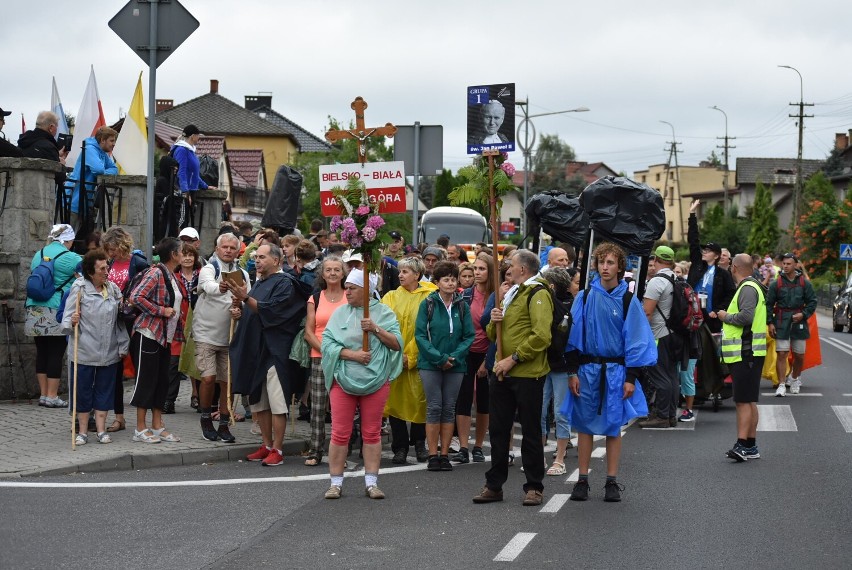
(361, 133)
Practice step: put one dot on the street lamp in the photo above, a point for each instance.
(797, 190)
(526, 148)
(725, 179)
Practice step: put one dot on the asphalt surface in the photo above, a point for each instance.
(685, 505)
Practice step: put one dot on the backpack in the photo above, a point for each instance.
(128, 312)
(685, 316)
(558, 333)
(41, 284)
(208, 169)
(430, 310)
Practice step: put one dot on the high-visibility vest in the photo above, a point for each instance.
(732, 336)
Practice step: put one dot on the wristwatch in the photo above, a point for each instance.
(516, 358)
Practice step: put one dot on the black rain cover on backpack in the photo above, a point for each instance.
(559, 215)
(282, 209)
(208, 168)
(625, 212)
(558, 338)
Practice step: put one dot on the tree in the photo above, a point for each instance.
(344, 152)
(444, 184)
(822, 229)
(727, 229)
(549, 165)
(764, 233)
(833, 163)
(714, 160)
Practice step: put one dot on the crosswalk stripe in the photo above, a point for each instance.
(838, 345)
(599, 452)
(844, 414)
(515, 547)
(574, 476)
(776, 418)
(555, 503)
(790, 394)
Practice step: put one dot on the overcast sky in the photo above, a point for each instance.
(632, 63)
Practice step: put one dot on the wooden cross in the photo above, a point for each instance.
(361, 132)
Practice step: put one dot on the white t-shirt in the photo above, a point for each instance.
(660, 290)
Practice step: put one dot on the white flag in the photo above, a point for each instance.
(131, 148)
(89, 119)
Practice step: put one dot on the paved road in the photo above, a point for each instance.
(685, 505)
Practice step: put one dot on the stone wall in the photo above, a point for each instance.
(28, 187)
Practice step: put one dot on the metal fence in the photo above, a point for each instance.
(826, 294)
(253, 199)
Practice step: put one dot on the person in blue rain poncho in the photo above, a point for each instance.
(609, 342)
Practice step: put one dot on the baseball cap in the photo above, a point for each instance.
(4, 113)
(190, 233)
(190, 130)
(436, 251)
(409, 249)
(664, 252)
(790, 256)
(713, 246)
(349, 255)
(395, 235)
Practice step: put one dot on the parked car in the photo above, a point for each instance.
(841, 313)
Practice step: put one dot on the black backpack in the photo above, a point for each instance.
(208, 169)
(558, 333)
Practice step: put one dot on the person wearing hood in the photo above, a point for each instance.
(97, 150)
(407, 400)
(183, 151)
(40, 142)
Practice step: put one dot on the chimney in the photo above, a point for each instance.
(164, 104)
(214, 86)
(256, 101)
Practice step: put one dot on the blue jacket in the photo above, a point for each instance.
(97, 162)
(435, 342)
(189, 172)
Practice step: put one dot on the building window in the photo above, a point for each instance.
(643, 178)
(671, 194)
(658, 177)
(670, 231)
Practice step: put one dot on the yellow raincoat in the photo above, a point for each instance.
(407, 401)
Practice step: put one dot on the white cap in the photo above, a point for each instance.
(348, 256)
(189, 232)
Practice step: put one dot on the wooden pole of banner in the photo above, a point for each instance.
(495, 233)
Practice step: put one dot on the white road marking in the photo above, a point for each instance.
(515, 547)
(790, 394)
(574, 476)
(838, 345)
(844, 414)
(847, 395)
(776, 418)
(555, 503)
(599, 452)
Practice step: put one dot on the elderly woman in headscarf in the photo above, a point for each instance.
(41, 321)
(358, 378)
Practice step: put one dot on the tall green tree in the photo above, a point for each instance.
(549, 166)
(726, 228)
(764, 233)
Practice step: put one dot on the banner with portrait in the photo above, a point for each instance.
(491, 118)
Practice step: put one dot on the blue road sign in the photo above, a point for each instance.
(846, 252)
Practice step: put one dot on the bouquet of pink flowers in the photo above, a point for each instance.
(359, 222)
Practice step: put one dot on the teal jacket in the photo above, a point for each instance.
(433, 337)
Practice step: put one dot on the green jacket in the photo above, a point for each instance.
(435, 342)
(527, 332)
(786, 297)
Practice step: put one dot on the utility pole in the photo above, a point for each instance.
(797, 190)
(673, 152)
(726, 146)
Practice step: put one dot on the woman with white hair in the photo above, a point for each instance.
(358, 378)
(41, 320)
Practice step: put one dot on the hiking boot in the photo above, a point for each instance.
(488, 496)
(208, 432)
(259, 455)
(478, 456)
(169, 408)
(655, 422)
(781, 391)
(687, 416)
(421, 452)
(225, 434)
(399, 457)
(533, 498)
(737, 453)
(612, 492)
(672, 421)
(462, 456)
(581, 490)
(445, 463)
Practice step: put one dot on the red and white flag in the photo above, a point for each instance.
(89, 119)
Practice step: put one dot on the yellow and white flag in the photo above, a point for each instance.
(131, 148)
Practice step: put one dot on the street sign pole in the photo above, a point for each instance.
(152, 108)
(416, 200)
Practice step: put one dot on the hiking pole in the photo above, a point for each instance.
(7, 316)
(230, 400)
(18, 348)
(74, 404)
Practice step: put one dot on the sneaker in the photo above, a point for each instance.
(533, 498)
(434, 463)
(737, 453)
(374, 492)
(795, 385)
(145, 436)
(781, 391)
(273, 458)
(400, 457)
(463, 456)
(42, 401)
(208, 432)
(455, 445)
(81, 439)
(612, 492)
(751, 452)
(581, 490)
(488, 496)
(478, 456)
(511, 459)
(225, 434)
(333, 492)
(687, 416)
(259, 455)
(787, 382)
(655, 422)
(56, 402)
(445, 463)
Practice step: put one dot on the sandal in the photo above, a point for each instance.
(313, 460)
(116, 426)
(556, 469)
(103, 437)
(169, 438)
(193, 402)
